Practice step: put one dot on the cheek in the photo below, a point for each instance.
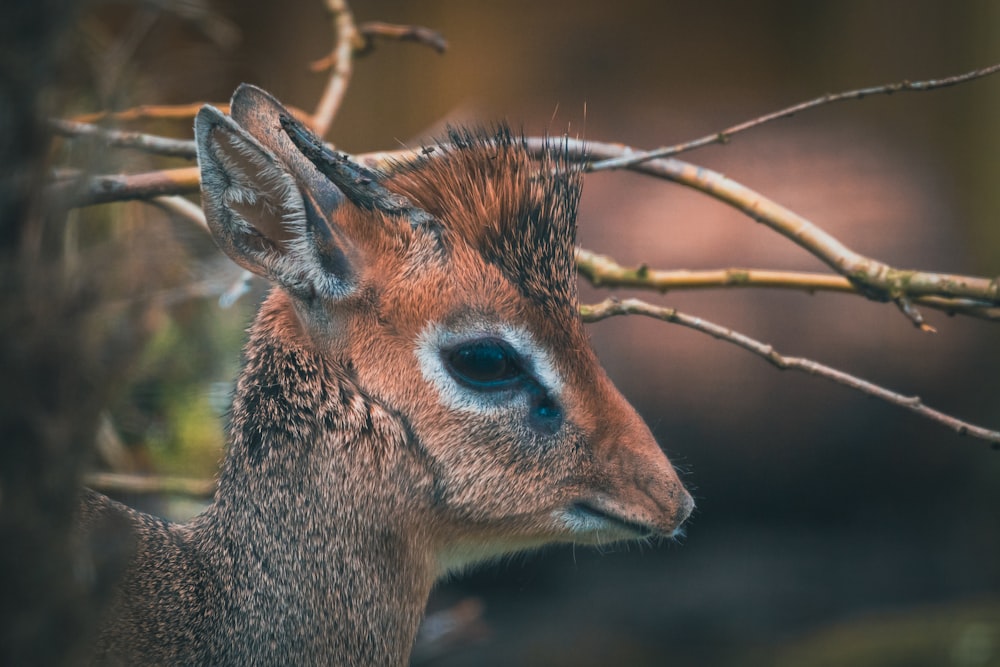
(491, 470)
(386, 370)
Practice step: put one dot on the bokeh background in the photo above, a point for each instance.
(831, 529)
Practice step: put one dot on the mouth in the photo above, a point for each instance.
(584, 517)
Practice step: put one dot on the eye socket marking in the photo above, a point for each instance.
(484, 364)
(490, 365)
(546, 415)
(490, 368)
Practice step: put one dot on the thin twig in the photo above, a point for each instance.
(403, 33)
(179, 112)
(603, 271)
(725, 135)
(906, 306)
(969, 307)
(141, 484)
(340, 72)
(182, 207)
(150, 112)
(109, 188)
(369, 32)
(149, 143)
(611, 307)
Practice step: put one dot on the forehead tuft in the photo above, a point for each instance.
(517, 212)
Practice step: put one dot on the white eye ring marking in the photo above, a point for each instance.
(533, 357)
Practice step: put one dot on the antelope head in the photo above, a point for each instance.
(444, 290)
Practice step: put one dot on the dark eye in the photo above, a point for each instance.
(484, 364)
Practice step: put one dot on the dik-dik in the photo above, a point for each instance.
(418, 395)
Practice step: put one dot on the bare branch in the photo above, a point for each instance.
(970, 307)
(142, 484)
(340, 72)
(149, 143)
(123, 187)
(611, 307)
(603, 271)
(725, 135)
(182, 207)
(78, 190)
(370, 31)
(179, 112)
(150, 112)
(874, 279)
(403, 33)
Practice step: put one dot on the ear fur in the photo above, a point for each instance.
(266, 205)
(259, 113)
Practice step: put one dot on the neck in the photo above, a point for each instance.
(320, 553)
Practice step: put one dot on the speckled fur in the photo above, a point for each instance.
(266, 575)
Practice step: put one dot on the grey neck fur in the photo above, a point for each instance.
(282, 569)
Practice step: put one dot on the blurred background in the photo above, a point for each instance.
(831, 529)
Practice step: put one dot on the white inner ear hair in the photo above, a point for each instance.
(260, 182)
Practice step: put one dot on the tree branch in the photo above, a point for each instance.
(149, 143)
(611, 307)
(724, 136)
(874, 279)
(403, 33)
(124, 187)
(142, 484)
(340, 72)
(182, 207)
(369, 32)
(180, 112)
(603, 271)
(150, 112)
(969, 307)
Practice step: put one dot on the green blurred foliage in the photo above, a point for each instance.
(172, 407)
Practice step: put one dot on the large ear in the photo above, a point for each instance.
(268, 207)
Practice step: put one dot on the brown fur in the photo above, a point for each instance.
(351, 484)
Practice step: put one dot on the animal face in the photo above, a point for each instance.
(446, 290)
